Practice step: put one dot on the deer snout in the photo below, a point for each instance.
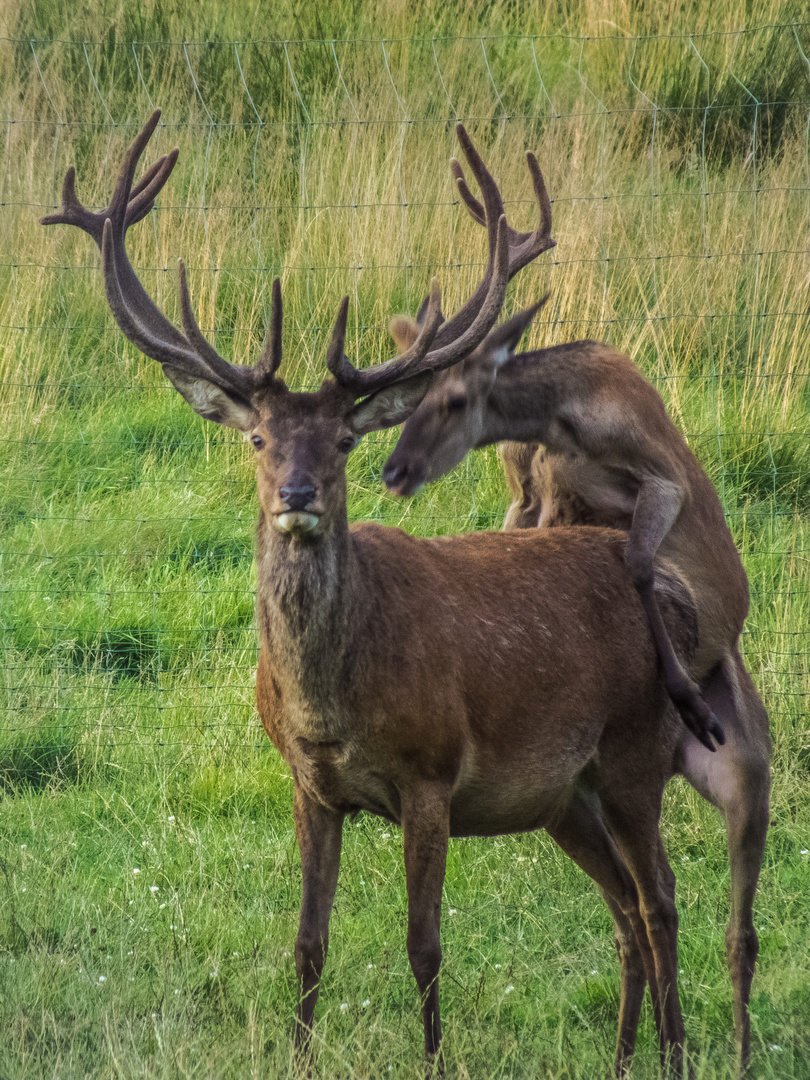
(297, 497)
(401, 476)
(297, 509)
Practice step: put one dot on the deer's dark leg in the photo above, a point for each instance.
(632, 816)
(582, 834)
(319, 833)
(426, 827)
(737, 781)
(657, 506)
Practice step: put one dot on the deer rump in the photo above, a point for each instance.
(508, 680)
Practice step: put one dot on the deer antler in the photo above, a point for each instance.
(136, 313)
(509, 251)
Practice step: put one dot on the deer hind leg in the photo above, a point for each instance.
(319, 833)
(583, 835)
(737, 781)
(525, 508)
(632, 817)
(426, 828)
(657, 505)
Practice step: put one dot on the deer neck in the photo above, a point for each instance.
(311, 604)
(520, 406)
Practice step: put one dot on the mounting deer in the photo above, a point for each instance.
(590, 443)
(411, 678)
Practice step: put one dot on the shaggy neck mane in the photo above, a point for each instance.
(309, 610)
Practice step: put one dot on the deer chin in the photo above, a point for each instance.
(296, 521)
(406, 488)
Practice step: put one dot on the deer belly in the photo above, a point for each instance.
(517, 794)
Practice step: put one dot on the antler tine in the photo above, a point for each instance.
(410, 363)
(336, 359)
(524, 246)
(421, 357)
(268, 363)
(142, 197)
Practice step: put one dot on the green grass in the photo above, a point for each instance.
(128, 735)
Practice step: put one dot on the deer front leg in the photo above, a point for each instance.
(657, 505)
(319, 833)
(426, 827)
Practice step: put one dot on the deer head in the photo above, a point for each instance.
(301, 439)
(451, 419)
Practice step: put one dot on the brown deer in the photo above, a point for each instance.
(591, 444)
(411, 678)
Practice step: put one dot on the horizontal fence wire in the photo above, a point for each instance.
(679, 171)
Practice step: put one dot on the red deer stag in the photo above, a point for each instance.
(411, 678)
(610, 456)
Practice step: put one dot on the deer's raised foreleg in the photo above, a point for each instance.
(657, 505)
(319, 833)
(426, 828)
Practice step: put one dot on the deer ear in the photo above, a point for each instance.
(389, 406)
(210, 401)
(501, 343)
(404, 330)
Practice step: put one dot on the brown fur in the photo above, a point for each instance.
(593, 434)
(407, 678)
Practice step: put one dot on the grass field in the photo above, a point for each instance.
(149, 879)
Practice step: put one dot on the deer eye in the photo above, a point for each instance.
(347, 444)
(257, 441)
(456, 403)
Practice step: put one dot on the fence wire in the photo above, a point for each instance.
(679, 169)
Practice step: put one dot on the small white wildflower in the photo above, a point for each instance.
(509, 989)
(246, 866)
(214, 974)
(132, 978)
(684, 858)
(25, 888)
(162, 906)
(386, 835)
(135, 870)
(452, 911)
(23, 847)
(534, 858)
(131, 903)
(154, 888)
(362, 882)
(172, 926)
(366, 1003)
(102, 978)
(594, 971)
(177, 992)
(171, 819)
(131, 952)
(344, 1006)
(144, 843)
(521, 858)
(154, 1016)
(497, 967)
(370, 966)
(775, 1049)
(804, 851)
(236, 954)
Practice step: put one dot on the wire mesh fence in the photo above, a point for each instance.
(679, 169)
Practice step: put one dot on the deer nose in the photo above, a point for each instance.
(395, 473)
(297, 497)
